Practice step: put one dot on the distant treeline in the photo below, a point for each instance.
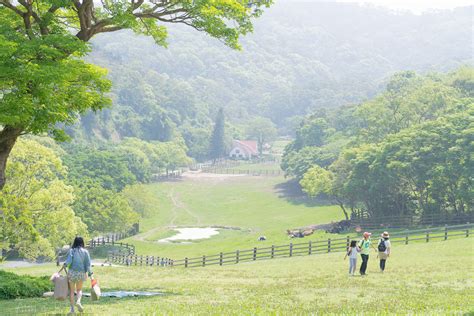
(406, 151)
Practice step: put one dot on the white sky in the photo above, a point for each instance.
(416, 6)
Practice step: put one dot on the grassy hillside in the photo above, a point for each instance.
(255, 205)
(434, 278)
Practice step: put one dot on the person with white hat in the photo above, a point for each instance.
(364, 245)
(384, 246)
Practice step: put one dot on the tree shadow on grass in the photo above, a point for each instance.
(51, 306)
(292, 193)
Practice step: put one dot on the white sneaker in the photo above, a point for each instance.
(79, 307)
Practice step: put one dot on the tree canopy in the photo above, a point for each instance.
(44, 80)
(405, 152)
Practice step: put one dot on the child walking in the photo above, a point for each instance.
(352, 252)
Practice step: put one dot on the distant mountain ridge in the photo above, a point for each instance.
(301, 57)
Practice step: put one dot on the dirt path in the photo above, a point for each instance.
(145, 235)
(179, 205)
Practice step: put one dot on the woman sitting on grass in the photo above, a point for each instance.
(79, 263)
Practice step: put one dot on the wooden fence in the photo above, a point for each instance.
(290, 250)
(126, 255)
(317, 247)
(175, 174)
(407, 221)
(113, 241)
(250, 172)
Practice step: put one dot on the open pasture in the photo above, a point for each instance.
(433, 279)
(244, 207)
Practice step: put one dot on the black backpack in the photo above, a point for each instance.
(382, 246)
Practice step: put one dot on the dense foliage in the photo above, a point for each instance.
(407, 151)
(56, 194)
(45, 81)
(14, 286)
(37, 202)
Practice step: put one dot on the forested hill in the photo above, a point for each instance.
(301, 57)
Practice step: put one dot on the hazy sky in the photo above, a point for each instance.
(416, 6)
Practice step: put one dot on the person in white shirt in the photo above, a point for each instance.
(352, 252)
(384, 247)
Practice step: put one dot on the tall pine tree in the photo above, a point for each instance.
(217, 148)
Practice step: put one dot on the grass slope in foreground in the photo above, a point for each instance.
(433, 278)
(257, 205)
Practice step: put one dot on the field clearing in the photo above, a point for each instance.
(433, 278)
(252, 206)
(264, 166)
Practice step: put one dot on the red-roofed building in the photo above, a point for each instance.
(244, 149)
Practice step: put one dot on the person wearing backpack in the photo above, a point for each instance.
(364, 246)
(384, 246)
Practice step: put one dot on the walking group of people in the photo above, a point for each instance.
(363, 248)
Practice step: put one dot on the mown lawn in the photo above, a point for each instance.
(432, 279)
(255, 205)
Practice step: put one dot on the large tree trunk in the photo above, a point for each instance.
(8, 137)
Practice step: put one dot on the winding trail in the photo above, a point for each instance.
(179, 205)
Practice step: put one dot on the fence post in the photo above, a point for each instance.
(146, 262)
(348, 242)
(427, 236)
(186, 262)
(310, 248)
(254, 253)
(220, 259)
(291, 249)
(445, 232)
(136, 259)
(273, 251)
(237, 256)
(203, 261)
(329, 245)
(406, 239)
(467, 232)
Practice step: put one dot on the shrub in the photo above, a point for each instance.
(20, 286)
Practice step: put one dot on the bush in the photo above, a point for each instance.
(19, 286)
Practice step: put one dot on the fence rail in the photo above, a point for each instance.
(319, 246)
(411, 221)
(312, 247)
(250, 172)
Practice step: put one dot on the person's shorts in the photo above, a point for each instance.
(76, 276)
(383, 256)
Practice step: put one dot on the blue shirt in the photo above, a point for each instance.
(79, 259)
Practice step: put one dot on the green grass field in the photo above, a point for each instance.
(421, 279)
(256, 205)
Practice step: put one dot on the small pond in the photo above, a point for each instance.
(195, 233)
